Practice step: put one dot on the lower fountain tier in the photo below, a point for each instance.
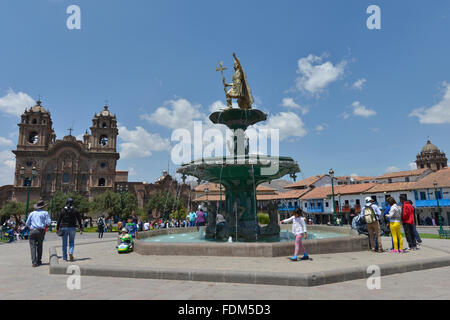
(240, 177)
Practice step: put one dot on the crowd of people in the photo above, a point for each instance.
(370, 221)
(375, 223)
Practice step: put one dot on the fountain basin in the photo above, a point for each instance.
(348, 241)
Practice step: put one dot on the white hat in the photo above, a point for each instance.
(369, 199)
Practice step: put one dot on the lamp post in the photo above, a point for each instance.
(332, 190)
(51, 211)
(29, 182)
(340, 209)
(441, 228)
(122, 189)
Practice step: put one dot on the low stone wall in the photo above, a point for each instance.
(350, 243)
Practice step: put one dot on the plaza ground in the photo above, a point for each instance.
(18, 280)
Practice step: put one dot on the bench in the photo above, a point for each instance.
(444, 234)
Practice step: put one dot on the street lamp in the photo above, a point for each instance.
(441, 228)
(34, 174)
(51, 211)
(122, 188)
(340, 209)
(331, 173)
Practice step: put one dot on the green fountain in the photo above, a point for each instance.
(240, 172)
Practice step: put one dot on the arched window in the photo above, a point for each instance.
(101, 182)
(66, 178)
(103, 140)
(33, 138)
(105, 125)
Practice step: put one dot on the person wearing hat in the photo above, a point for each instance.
(372, 214)
(67, 223)
(36, 222)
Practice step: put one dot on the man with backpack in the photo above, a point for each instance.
(100, 226)
(408, 222)
(371, 215)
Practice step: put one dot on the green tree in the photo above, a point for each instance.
(179, 214)
(110, 203)
(16, 209)
(80, 202)
(163, 202)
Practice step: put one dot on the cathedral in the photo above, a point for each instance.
(47, 164)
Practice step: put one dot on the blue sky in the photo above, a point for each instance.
(345, 97)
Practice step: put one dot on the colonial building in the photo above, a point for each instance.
(431, 157)
(47, 164)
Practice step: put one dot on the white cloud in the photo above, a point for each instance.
(139, 143)
(132, 172)
(289, 125)
(290, 103)
(5, 142)
(437, 114)
(412, 165)
(175, 114)
(7, 166)
(315, 75)
(392, 169)
(217, 106)
(321, 127)
(362, 111)
(359, 84)
(354, 175)
(15, 103)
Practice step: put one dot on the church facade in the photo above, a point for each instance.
(47, 164)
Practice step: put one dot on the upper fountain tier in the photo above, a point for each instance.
(235, 118)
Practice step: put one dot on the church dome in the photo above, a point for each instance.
(105, 112)
(429, 148)
(38, 107)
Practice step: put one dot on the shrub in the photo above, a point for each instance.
(263, 218)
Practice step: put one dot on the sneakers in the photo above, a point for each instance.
(70, 257)
(401, 251)
(394, 251)
(293, 258)
(305, 257)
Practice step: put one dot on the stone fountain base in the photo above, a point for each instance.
(350, 243)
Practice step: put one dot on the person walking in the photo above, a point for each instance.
(36, 222)
(101, 226)
(201, 218)
(67, 223)
(395, 218)
(372, 214)
(298, 229)
(408, 223)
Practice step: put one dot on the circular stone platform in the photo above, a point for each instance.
(350, 243)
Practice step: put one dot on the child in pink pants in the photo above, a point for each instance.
(298, 229)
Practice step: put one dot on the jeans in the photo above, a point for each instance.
(409, 232)
(68, 232)
(416, 234)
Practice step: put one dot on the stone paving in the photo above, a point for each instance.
(105, 253)
(19, 281)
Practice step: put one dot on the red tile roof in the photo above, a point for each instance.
(400, 174)
(388, 187)
(442, 177)
(305, 182)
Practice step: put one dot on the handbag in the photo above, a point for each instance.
(60, 232)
